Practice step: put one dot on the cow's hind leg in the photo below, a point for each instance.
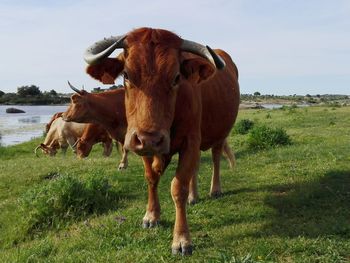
(215, 188)
(152, 215)
(193, 195)
(123, 164)
(230, 156)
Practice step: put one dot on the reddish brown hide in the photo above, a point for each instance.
(94, 133)
(176, 102)
(106, 109)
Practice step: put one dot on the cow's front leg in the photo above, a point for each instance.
(188, 163)
(124, 161)
(152, 215)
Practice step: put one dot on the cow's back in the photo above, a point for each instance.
(52, 134)
(73, 129)
(220, 101)
(67, 130)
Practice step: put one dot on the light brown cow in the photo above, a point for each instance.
(54, 117)
(176, 102)
(61, 135)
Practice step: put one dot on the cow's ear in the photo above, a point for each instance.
(197, 70)
(107, 70)
(76, 98)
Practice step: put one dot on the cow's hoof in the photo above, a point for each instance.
(122, 167)
(183, 250)
(215, 194)
(192, 201)
(149, 224)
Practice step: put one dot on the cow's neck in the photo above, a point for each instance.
(102, 112)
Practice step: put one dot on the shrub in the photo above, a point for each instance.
(243, 126)
(262, 137)
(66, 198)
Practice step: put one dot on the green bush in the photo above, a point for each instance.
(243, 126)
(262, 137)
(66, 198)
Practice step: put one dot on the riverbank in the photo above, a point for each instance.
(20, 127)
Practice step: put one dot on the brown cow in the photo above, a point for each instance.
(176, 102)
(85, 107)
(93, 133)
(106, 109)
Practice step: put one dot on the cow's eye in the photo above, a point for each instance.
(176, 80)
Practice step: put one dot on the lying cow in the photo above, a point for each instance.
(61, 134)
(181, 97)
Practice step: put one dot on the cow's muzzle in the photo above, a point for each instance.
(147, 143)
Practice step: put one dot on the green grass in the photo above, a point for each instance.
(285, 204)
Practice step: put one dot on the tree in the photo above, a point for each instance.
(26, 91)
(1, 93)
(53, 93)
(257, 93)
(97, 90)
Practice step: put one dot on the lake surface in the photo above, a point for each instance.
(21, 127)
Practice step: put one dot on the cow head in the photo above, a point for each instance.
(79, 108)
(154, 69)
(50, 150)
(83, 148)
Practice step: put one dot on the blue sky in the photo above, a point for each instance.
(280, 46)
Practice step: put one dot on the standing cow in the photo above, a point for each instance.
(106, 109)
(179, 98)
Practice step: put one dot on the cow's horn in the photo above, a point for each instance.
(74, 88)
(75, 144)
(203, 51)
(35, 150)
(103, 49)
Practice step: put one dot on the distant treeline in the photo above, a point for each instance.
(32, 95)
(325, 98)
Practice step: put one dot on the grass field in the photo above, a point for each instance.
(284, 204)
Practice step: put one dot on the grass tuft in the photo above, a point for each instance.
(66, 198)
(263, 137)
(243, 126)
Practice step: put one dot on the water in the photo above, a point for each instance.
(278, 106)
(272, 106)
(21, 127)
